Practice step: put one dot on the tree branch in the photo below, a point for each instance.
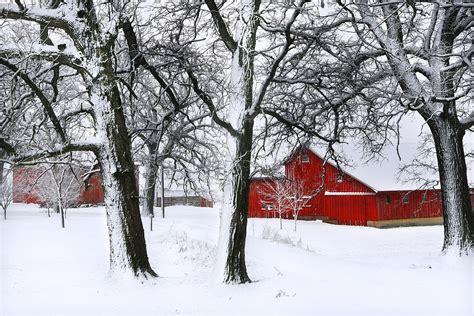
(51, 17)
(44, 100)
(71, 147)
(253, 111)
(208, 101)
(221, 26)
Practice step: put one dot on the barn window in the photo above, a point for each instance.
(305, 158)
(405, 199)
(264, 206)
(423, 198)
(270, 207)
(339, 177)
(387, 199)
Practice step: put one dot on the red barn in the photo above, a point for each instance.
(341, 198)
(24, 179)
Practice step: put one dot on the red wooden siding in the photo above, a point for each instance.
(258, 204)
(347, 209)
(203, 202)
(94, 193)
(409, 204)
(310, 173)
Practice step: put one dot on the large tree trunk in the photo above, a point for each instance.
(235, 212)
(236, 193)
(457, 211)
(127, 240)
(2, 186)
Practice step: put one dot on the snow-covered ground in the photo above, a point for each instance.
(322, 270)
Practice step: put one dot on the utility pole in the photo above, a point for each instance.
(162, 191)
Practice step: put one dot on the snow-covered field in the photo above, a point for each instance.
(322, 270)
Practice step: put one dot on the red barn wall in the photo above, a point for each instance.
(310, 174)
(415, 207)
(94, 194)
(348, 209)
(351, 209)
(257, 186)
(23, 181)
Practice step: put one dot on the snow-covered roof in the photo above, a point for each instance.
(381, 175)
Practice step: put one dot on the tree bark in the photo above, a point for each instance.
(441, 117)
(127, 240)
(2, 186)
(457, 210)
(61, 210)
(235, 268)
(162, 188)
(236, 194)
(150, 187)
(126, 236)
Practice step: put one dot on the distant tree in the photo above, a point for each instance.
(167, 120)
(6, 188)
(277, 192)
(299, 195)
(59, 186)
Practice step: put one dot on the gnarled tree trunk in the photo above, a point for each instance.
(127, 240)
(458, 215)
(235, 211)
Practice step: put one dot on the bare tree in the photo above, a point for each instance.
(243, 106)
(6, 189)
(277, 191)
(171, 122)
(299, 195)
(87, 33)
(59, 185)
(429, 50)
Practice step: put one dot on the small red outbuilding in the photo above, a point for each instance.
(338, 197)
(24, 187)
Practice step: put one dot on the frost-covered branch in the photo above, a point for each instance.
(41, 96)
(253, 111)
(59, 150)
(59, 18)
